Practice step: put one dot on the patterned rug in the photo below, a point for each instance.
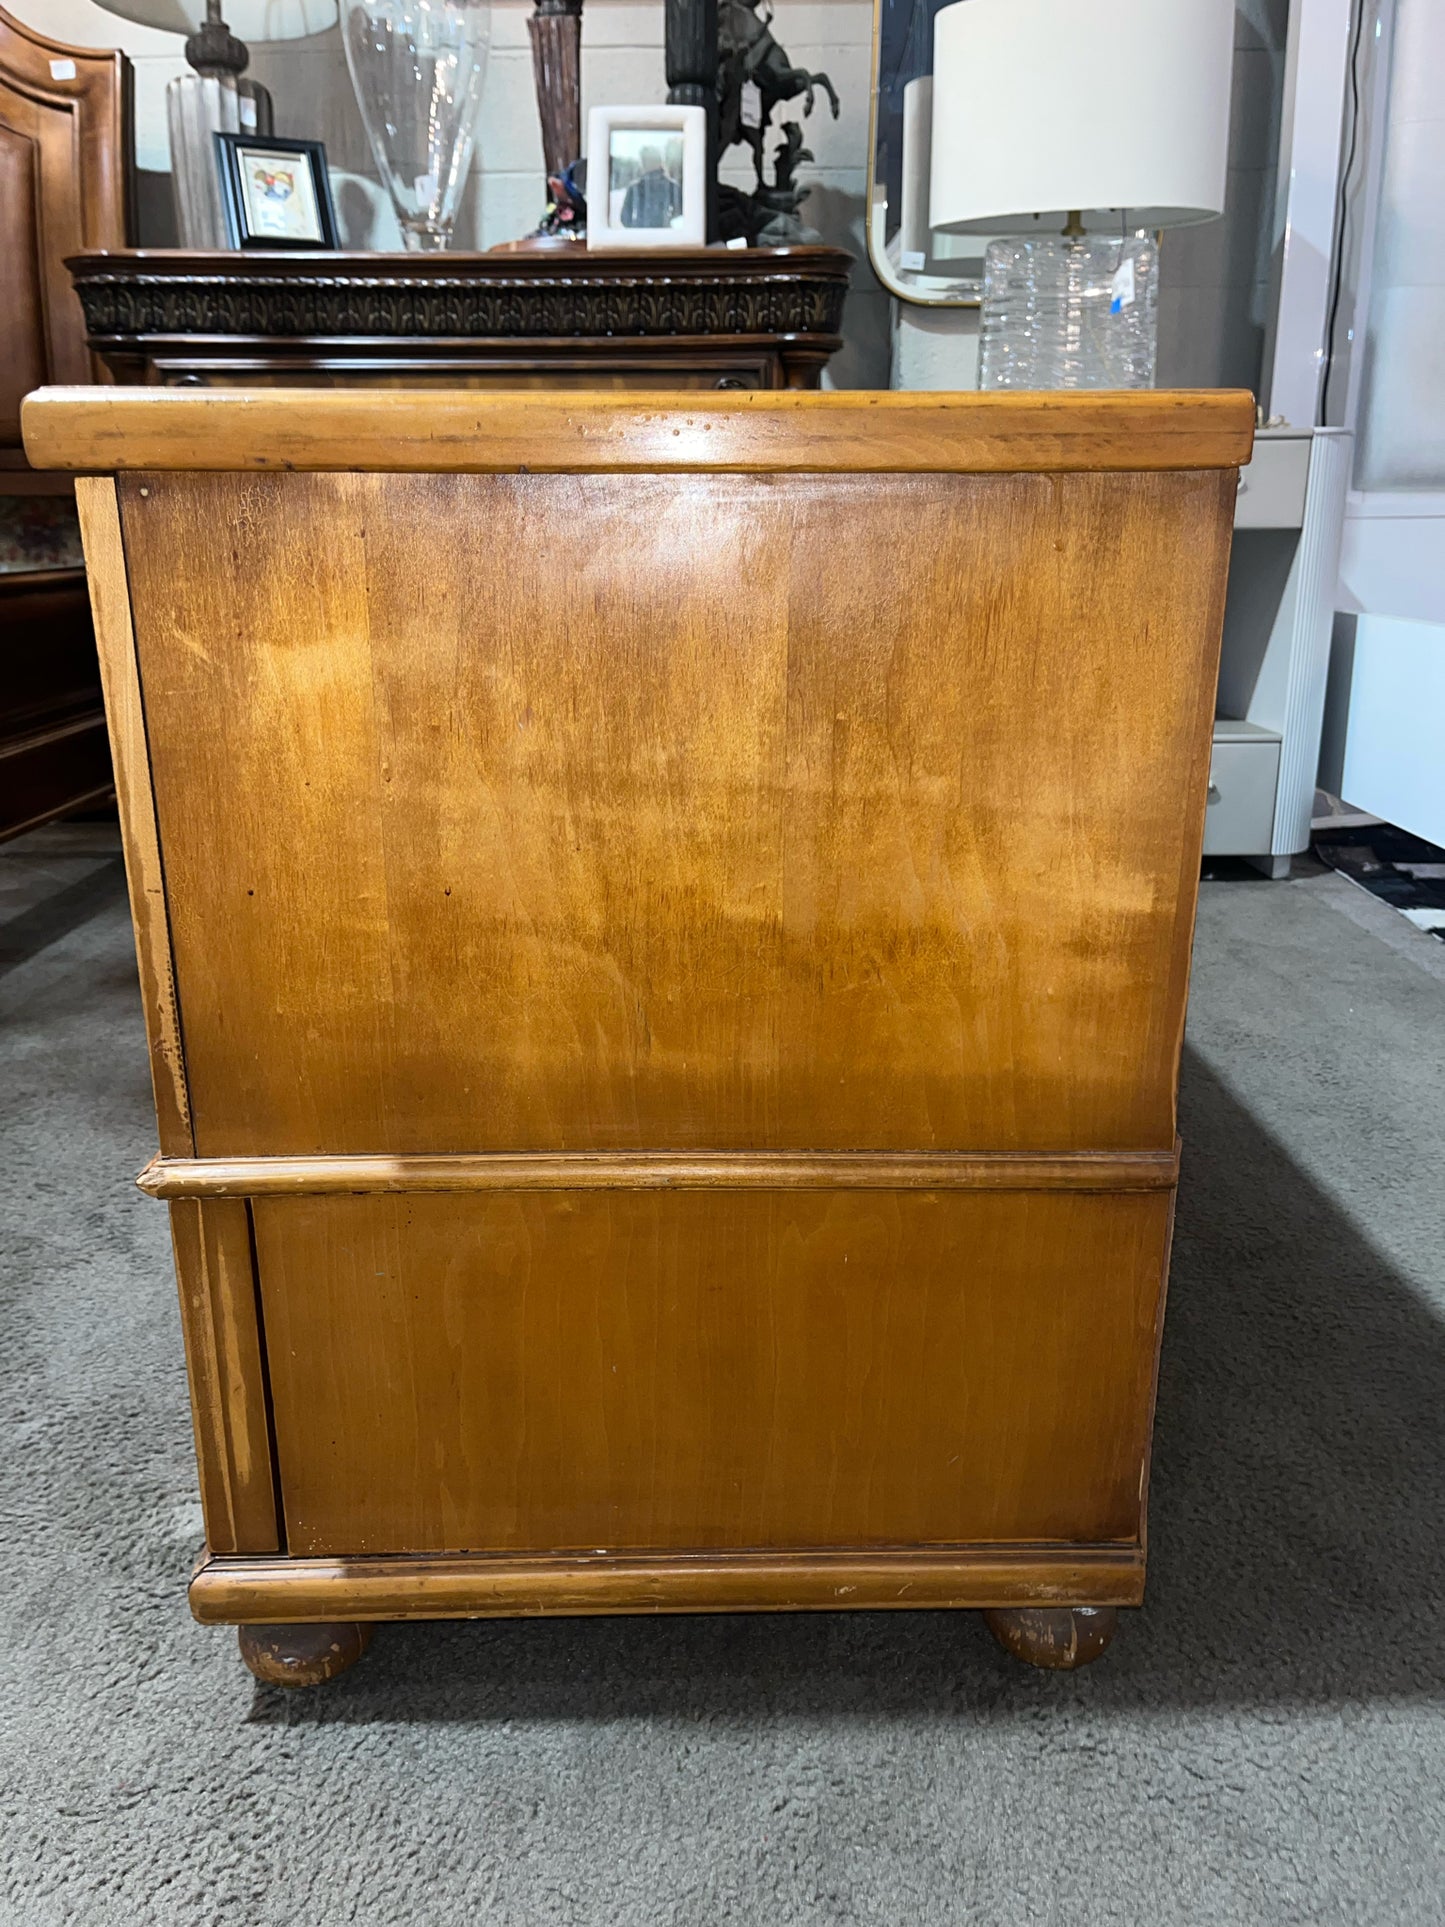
(1402, 870)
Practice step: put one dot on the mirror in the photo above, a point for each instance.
(909, 258)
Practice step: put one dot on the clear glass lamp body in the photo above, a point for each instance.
(418, 67)
(197, 106)
(1060, 312)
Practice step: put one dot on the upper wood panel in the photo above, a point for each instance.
(861, 432)
(64, 174)
(692, 811)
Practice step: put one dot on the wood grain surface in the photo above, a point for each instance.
(65, 183)
(221, 1325)
(858, 431)
(476, 842)
(125, 718)
(672, 1370)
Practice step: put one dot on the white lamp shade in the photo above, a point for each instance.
(254, 21)
(1118, 109)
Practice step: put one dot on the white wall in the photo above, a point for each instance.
(622, 63)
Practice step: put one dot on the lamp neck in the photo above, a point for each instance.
(215, 49)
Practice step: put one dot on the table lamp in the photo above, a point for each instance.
(1074, 128)
(215, 97)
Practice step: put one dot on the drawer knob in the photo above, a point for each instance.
(1214, 792)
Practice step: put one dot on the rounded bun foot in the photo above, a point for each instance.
(302, 1655)
(1057, 1637)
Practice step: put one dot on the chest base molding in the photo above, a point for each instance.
(229, 1591)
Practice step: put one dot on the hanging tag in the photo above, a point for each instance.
(1121, 288)
(246, 109)
(62, 70)
(752, 104)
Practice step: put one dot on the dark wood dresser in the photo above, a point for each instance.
(697, 318)
(65, 118)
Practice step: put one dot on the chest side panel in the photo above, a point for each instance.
(698, 811)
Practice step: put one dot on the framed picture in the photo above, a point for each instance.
(276, 193)
(646, 177)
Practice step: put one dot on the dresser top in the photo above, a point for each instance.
(861, 431)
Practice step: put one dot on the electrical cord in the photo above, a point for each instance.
(1343, 211)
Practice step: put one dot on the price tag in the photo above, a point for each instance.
(752, 104)
(62, 70)
(1121, 288)
(913, 260)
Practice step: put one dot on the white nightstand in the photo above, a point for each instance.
(1277, 624)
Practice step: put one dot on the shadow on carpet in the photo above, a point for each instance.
(1296, 1550)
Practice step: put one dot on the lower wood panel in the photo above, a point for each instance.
(669, 1370)
(483, 1586)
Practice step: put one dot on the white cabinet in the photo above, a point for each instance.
(1276, 652)
(1243, 781)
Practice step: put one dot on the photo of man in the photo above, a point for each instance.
(644, 178)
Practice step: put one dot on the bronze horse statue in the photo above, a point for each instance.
(747, 52)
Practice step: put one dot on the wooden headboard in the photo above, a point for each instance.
(65, 184)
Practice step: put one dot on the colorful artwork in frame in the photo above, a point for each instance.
(276, 193)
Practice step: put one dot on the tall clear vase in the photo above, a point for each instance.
(418, 67)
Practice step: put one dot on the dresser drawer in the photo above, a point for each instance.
(615, 372)
(1243, 778)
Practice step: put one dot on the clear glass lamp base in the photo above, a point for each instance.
(198, 106)
(1062, 313)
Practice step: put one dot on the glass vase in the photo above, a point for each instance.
(418, 67)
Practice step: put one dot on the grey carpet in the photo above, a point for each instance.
(1264, 1743)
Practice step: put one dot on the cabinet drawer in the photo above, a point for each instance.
(618, 371)
(1243, 778)
(1272, 485)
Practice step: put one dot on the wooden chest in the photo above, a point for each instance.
(665, 928)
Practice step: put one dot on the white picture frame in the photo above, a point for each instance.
(646, 177)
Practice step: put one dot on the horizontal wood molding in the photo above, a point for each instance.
(261, 1177)
(486, 1585)
(864, 431)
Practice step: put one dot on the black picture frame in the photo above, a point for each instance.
(229, 151)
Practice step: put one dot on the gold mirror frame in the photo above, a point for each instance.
(924, 290)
